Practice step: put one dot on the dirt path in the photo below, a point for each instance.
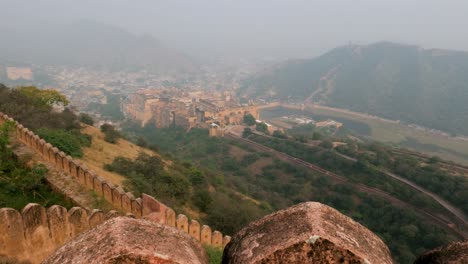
(461, 229)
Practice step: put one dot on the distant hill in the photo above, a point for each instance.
(402, 82)
(87, 43)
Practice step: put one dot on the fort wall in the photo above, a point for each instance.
(35, 232)
(125, 202)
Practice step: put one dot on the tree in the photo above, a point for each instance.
(86, 119)
(249, 120)
(141, 142)
(247, 132)
(202, 200)
(5, 130)
(262, 127)
(279, 134)
(110, 134)
(316, 136)
(434, 160)
(47, 97)
(326, 144)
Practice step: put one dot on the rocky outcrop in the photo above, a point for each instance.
(128, 240)
(306, 233)
(453, 253)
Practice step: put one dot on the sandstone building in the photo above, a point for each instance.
(186, 109)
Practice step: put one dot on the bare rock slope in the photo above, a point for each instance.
(306, 233)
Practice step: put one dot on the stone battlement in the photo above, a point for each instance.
(143, 207)
(35, 232)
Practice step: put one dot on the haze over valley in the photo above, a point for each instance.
(207, 116)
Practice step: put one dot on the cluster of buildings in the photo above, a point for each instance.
(17, 73)
(188, 109)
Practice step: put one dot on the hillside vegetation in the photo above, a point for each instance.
(101, 152)
(22, 181)
(400, 82)
(264, 183)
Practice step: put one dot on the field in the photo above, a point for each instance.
(381, 130)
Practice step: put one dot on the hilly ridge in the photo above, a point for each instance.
(85, 43)
(401, 82)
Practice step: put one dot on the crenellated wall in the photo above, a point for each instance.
(35, 232)
(146, 206)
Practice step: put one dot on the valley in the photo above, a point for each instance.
(233, 132)
(430, 142)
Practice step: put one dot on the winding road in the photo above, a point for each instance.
(461, 229)
(455, 211)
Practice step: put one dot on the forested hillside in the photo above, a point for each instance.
(401, 82)
(241, 183)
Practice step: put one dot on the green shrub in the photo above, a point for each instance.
(215, 255)
(249, 120)
(202, 200)
(86, 119)
(66, 141)
(110, 134)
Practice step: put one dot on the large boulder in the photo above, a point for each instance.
(306, 233)
(128, 240)
(453, 253)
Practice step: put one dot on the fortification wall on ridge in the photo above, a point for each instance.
(144, 207)
(35, 232)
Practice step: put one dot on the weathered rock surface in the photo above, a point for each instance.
(128, 240)
(453, 253)
(306, 233)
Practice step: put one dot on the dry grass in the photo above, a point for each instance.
(101, 152)
(248, 198)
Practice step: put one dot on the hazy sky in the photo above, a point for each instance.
(264, 28)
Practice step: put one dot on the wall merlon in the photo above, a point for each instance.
(170, 217)
(36, 144)
(217, 239)
(96, 217)
(43, 148)
(182, 223)
(56, 158)
(97, 185)
(88, 176)
(194, 229)
(112, 214)
(78, 221)
(117, 194)
(107, 190)
(137, 209)
(127, 202)
(12, 238)
(226, 240)
(36, 229)
(58, 224)
(205, 235)
(150, 204)
(74, 170)
(68, 161)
